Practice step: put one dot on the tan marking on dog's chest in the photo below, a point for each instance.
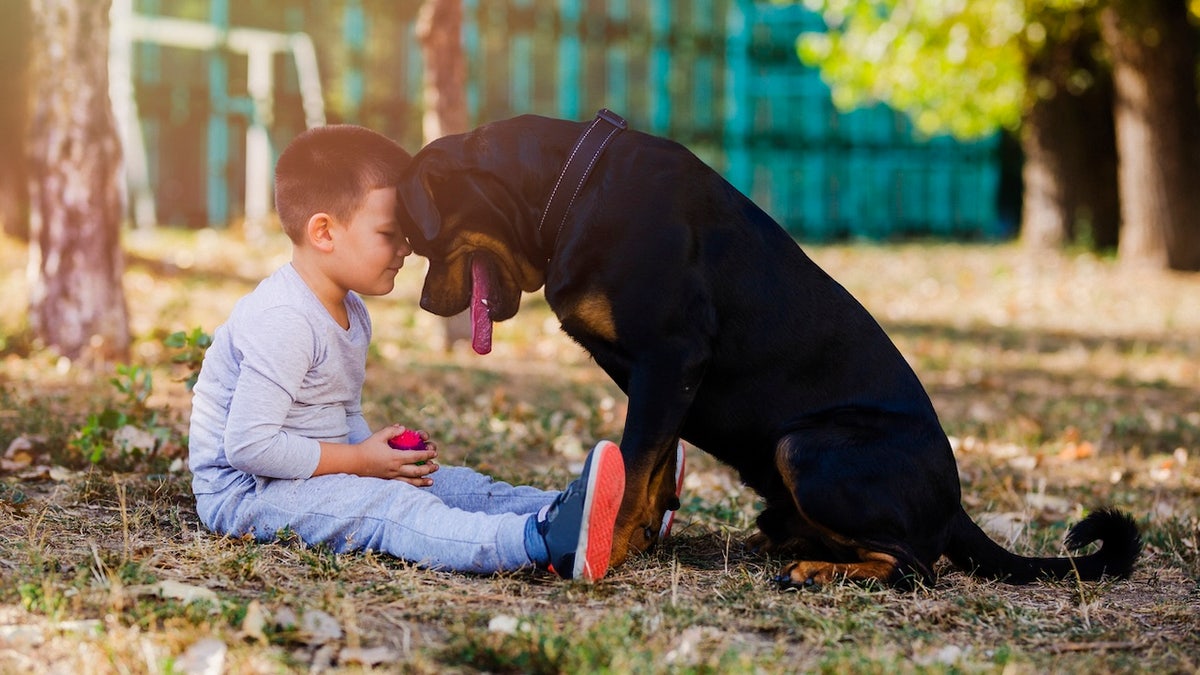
(593, 312)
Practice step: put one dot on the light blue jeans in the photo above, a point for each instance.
(465, 521)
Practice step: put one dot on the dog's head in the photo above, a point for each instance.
(461, 205)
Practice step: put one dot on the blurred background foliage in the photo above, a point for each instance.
(1064, 122)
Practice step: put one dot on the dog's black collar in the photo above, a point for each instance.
(580, 161)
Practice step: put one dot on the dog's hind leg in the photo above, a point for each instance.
(873, 566)
(871, 496)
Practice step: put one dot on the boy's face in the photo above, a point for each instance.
(370, 249)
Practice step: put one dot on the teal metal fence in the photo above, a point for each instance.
(826, 174)
(720, 76)
(659, 62)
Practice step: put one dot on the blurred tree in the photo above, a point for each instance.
(439, 29)
(14, 112)
(1067, 136)
(77, 303)
(1037, 66)
(1154, 47)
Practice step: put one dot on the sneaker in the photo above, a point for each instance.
(578, 526)
(669, 517)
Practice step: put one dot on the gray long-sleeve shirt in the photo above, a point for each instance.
(280, 376)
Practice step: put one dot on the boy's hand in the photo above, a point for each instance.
(411, 465)
(374, 457)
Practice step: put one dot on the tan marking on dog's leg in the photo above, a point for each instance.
(625, 532)
(642, 510)
(875, 566)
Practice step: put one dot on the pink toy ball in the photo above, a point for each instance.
(408, 440)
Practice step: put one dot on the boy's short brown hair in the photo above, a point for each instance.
(331, 169)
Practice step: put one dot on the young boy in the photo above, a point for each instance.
(278, 438)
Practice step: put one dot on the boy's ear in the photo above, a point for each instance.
(318, 231)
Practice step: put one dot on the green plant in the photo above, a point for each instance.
(135, 383)
(95, 436)
(192, 346)
(129, 425)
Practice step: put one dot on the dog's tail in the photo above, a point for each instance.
(969, 548)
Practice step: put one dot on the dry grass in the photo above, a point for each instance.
(1066, 382)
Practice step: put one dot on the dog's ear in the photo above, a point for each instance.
(415, 192)
(440, 183)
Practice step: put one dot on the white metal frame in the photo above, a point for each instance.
(259, 46)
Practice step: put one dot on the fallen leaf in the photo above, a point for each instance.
(506, 624)
(204, 657)
(130, 438)
(1072, 452)
(1025, 462)
(12, 466)
(35, 472)
(685, 650)
(1006, 527)
(254, 622)
(319, 627)
(323, 658)
(286, 619)
(1048, 503)
(23, 450)
(372, 656)
(176, 590)
(62, 474)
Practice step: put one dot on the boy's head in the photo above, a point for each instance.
(331, 169)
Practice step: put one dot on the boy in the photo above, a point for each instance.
(278, 438)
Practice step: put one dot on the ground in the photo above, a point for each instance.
(1065, 382)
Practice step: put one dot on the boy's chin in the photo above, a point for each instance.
(381, 287)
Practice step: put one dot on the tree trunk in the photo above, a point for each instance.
(1068, 138)
(1153, 48)
(14, 112)
(77, 304)
(439, 29)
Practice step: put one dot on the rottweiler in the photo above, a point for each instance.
(721, 331)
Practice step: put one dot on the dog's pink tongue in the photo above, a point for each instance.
(481, 323)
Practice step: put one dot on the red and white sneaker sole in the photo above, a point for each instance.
(605, 489)
(668, 520)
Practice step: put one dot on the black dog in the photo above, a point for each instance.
(722, 332)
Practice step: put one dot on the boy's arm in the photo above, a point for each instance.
(374, 457)
(276, 353)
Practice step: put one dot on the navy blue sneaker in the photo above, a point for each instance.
(578, 526)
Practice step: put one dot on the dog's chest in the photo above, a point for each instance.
(589, 315)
